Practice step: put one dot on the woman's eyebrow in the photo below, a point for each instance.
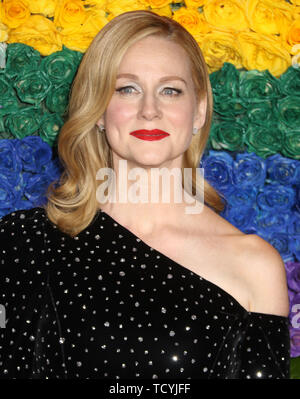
(164, 79)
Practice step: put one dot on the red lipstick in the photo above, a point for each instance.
(149, 135)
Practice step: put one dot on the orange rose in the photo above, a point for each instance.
(69, 14)
(14, 12)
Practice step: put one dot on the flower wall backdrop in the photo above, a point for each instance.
(252, 49)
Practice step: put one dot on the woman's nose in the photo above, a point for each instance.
(149, 107)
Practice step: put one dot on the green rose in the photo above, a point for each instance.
(225, 87)
(8, 99)
(262, 113)
(263, 141)
(256, 86)
(228, 135)
(50, 127)
(21, 59)
(291, 144)
(288, 110)
(32, 87)
(58, 98)
(24, 122)
(61, 66)
(289, 82)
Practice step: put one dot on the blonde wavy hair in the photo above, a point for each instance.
(72, 202)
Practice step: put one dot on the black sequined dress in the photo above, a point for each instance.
(104, 304)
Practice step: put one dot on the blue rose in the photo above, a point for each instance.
(53, 170)
(283, 170)
(8, 196)
(295, 245)
(249, 170)
(35, 188)
(280, 241)
(34, 153)
(276, 197)
(245, 196)
(10, 164)
(270, 221)
(218, 170)
(294, 225)
(242, 218)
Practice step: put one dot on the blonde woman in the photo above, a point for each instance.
(96, 288)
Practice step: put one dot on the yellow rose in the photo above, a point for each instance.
(43, 7)
(266, 18)
(117, 7)
(220, 47)
(156, 3)
(293, 33)
(194, 3)
(191, 20)
(296, 2)
(14, 12)
(81, 40)
(3, 32)
(69, 14)
(227, 15)
(39, 33)
(264, 52)
(164, 11)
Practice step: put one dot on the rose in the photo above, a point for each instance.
(191, 20)
(263, 52)
(8, 196)
(21, 59)
(282, 170)
(36, 188)
(291, 144)
(267, 222)
(32, 87)
(242, 218)
(69, 14)
(266, 18)
(288, 109)
(243, 198)
(10, 165)
(34, 153)
(220, 47)
(116, 7)
(295, 245)
(164, 11)
(155, 3)
(263, 141)
(53, 170)
(294, 226)
(39, 33)
(8, 100)
(295, 342)
(248, 170)
(280, 241)
(289, 82)
(227, 135)
(14, 12)
(276, 197)
(50, 127)
(61, 66)
(228, 15)
(43, 7)
(293, 276)
(195, 3)
(258, 86)
(3, 32)
(218, 170)
(24, 122)
(57, 99)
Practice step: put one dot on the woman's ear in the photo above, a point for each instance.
(200, 114)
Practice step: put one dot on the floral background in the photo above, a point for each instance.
(252, 49)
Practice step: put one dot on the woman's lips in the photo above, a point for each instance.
(149, 135)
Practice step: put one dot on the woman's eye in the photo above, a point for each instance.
(170, 91)
(125, 90)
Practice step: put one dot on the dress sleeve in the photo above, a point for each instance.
(23, 281)
(265, 347)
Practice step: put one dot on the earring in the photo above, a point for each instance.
(195, 131)
(101, 128)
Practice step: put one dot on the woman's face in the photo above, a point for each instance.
(154, 90)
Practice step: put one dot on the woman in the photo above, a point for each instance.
(102, 289)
